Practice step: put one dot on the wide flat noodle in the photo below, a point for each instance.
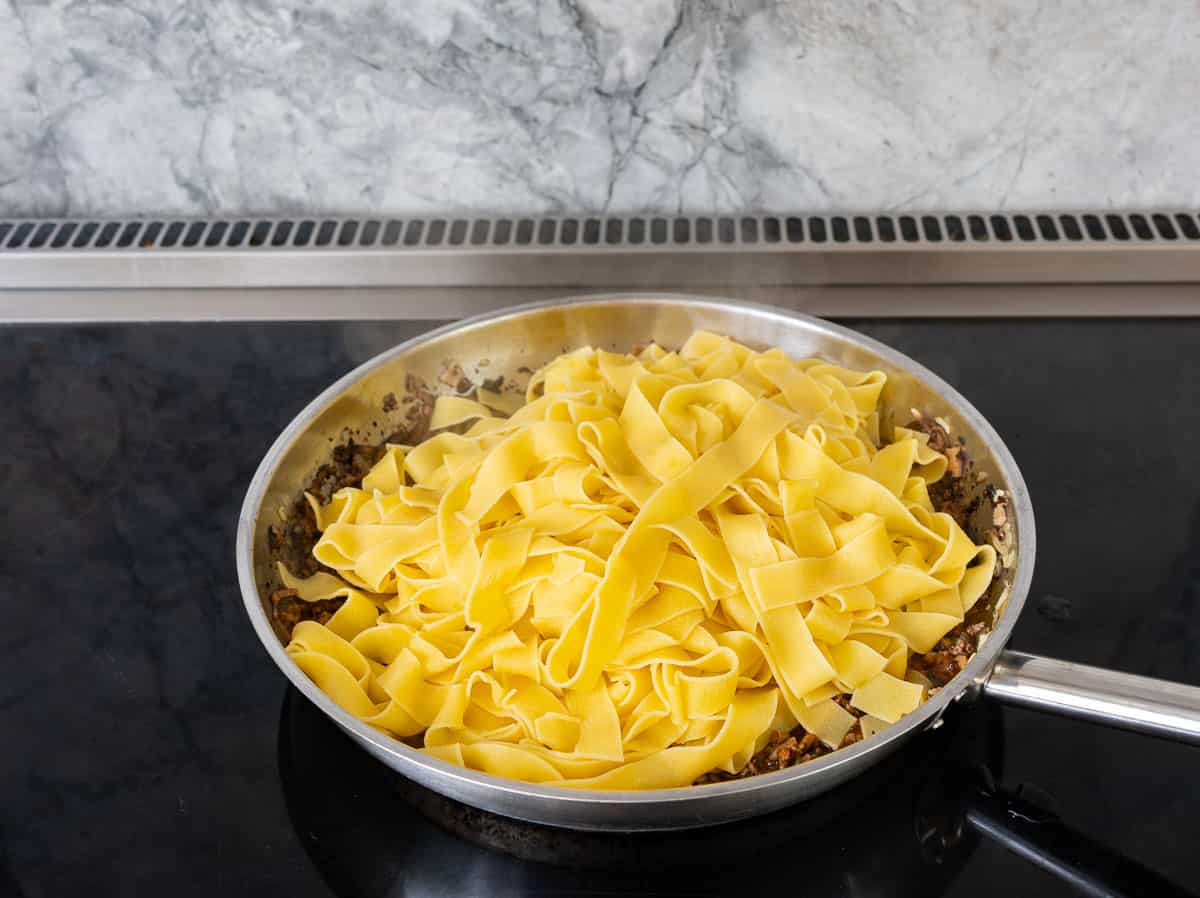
(639, 572)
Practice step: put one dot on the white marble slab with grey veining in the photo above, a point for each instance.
(540, 106)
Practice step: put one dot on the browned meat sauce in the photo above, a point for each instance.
(951, 494)
(292, 541)
(946, 660)
(290, 609)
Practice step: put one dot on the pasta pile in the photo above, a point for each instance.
(639, 573)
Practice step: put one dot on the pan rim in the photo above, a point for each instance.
(928, 714)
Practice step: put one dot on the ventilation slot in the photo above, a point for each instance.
(1070, 227)
(129, 234)
(41, 235)
(346, 236)
(327, 229)
(217, 233)
(1141, 227)
(237, 234)
(370, 233)
(85, 237)
(1117, 227)
(391, 232)
(1046, 227)
(61, 239)
(1165, 229)
(20, 235)
(108, 233)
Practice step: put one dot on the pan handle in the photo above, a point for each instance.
(1141, 704)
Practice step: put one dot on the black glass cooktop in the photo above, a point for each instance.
(148, 745)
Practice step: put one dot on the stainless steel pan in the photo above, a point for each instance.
(525, 337)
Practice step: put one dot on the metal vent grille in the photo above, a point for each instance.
(782, 232)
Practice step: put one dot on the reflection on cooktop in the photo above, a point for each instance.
(372, 832)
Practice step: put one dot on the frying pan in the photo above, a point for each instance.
(373, 401)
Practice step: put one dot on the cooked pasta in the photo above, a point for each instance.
(642, 571)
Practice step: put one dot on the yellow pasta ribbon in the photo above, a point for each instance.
(630, 578)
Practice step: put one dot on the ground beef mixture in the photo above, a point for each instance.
(951, 494)
(783, 749)
(289, 609)
(292, 543)
(947, 659)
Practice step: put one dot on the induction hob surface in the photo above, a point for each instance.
(150, 745)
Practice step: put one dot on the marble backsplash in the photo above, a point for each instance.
(542, 106)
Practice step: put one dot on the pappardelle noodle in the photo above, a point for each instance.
(633, 576)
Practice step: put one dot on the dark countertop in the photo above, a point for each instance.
(141, 719)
